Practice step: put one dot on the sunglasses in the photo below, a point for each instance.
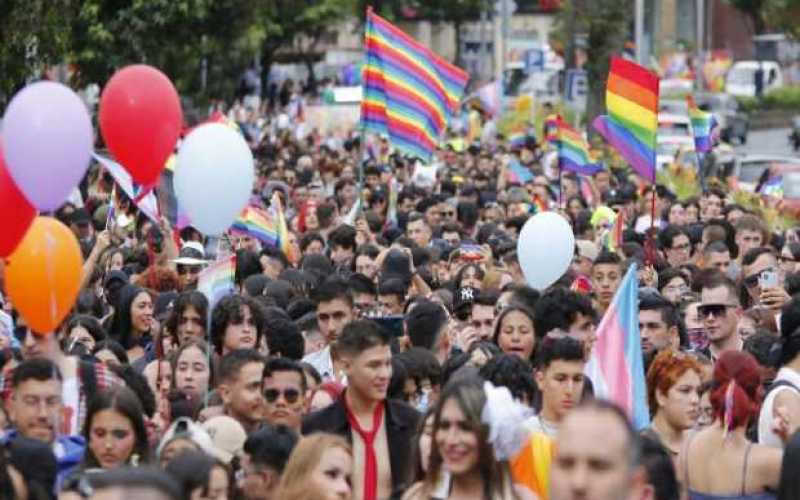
(188, 269)
(752, 280)
(716, 310)
(290, 395)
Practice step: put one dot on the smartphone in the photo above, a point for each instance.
(392, 324)
(470, 252)
(768, 279)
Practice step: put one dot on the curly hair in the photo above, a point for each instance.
(228, 311)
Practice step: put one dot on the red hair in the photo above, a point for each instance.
(739, 371)
(665, 370)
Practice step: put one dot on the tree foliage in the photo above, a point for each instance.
(33, 34)
(755, 10)
(606, 24)
(192, 41)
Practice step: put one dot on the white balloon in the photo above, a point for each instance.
(545, 249)
(214, 177)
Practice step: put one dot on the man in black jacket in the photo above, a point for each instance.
(380, 430)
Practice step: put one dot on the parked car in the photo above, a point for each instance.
(748, 169)
(741, 78)
(733, 123)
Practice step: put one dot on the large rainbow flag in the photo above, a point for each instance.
(258, 224)
(615, 366)
(573, 151)
(632, 120)
(409, 91)
(217, 280)
(702, 125)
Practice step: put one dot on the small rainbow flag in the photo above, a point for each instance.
(615, 366)
(539, 205)
(702, 125)
(410, 93)
(613, 238)
(276, 211)
(573, 151)
(258, 224)
(551, 128)
(517, 138)
(632, 120)
(217, 280)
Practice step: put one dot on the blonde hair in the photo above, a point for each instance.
(304, 459)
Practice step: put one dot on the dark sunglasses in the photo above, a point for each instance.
(290, 395)
(752, 280)
(716, 310)
(188, 269)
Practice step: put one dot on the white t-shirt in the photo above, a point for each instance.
(766, 436)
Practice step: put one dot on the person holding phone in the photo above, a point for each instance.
(763, 279)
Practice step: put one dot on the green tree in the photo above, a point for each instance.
(755, 10)
(456, 12)
(33, 34)
(174, 35)
(784, 16)
(606, 24)
(299, 26)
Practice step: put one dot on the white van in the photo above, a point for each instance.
(741, 78)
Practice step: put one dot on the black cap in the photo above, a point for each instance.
(80, 216)
(116, 276)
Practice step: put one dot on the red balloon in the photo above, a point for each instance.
(141, 119)
(16, 213)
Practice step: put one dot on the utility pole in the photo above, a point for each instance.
(700, 52)
(639, 41)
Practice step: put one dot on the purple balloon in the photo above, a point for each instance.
(47, 139)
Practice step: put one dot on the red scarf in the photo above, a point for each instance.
(370, 460)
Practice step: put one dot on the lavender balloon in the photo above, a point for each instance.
(47, 139)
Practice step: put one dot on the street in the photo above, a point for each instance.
(772, 141)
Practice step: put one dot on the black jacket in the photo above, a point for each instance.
(401, 426)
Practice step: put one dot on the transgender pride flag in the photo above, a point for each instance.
(616, 367)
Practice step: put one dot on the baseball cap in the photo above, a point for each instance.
(227, 436)
(116, 276)
(463, 300)
(185, 428)
(191, 254)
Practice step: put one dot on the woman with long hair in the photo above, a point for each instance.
(719, 462)
(133, 319)
(461, 449)
(319, 468)
(673, 393)
(192, 368)
(115, 430)
(200, 476)
(513, 332)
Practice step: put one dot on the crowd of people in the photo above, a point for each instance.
(397, 352)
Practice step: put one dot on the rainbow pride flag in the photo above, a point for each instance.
(410, 93)
(632, 120)
(517, 138)
(613, 238)
(573, 151)
(217, 280)
(551, 123)
(702, 125)
(615, 365)
(258, 224)
(284, 243)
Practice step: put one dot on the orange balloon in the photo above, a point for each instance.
(43, 275)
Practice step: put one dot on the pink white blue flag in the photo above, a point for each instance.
(616, 367)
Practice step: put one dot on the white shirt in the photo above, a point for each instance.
(765, 434)
(323, 363)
